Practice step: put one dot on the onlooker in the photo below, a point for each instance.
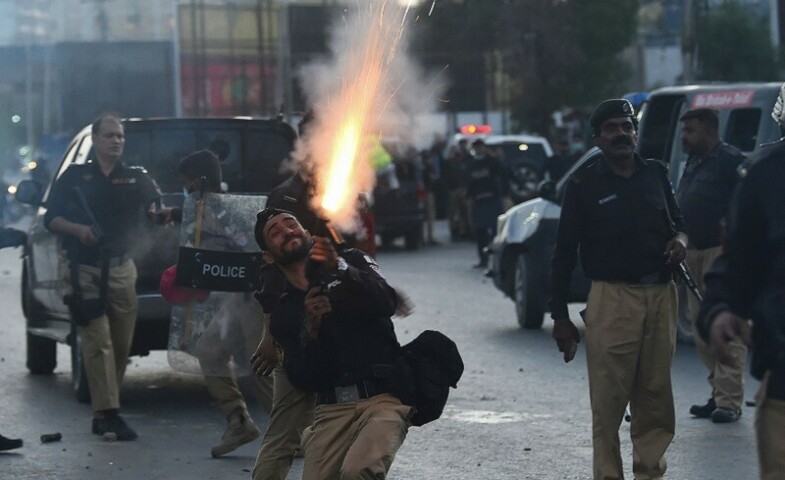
(431, 161)
(614, 215)
(484, 191)
(102, 273)
(704, 195)
(455, 180)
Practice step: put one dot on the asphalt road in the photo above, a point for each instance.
(519, 412)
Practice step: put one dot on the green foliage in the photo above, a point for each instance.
(735, 46)
(552, 53)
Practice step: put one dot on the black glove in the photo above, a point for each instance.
(273, 285)
(10, 237)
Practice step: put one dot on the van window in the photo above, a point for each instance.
(742, 128)
(658, 127)
(518, 152)
(265, 152)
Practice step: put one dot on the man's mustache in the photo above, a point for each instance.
(621, 141)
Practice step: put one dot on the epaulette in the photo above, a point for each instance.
(138, 168)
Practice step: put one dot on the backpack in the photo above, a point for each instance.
(424, 371)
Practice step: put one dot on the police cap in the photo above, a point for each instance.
(261, 220)
(614, 108)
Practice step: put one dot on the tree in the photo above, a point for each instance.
(735, 46)
(552, 53)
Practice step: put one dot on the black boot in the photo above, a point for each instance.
(9, 443)
(703, 411)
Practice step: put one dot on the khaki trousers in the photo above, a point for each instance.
(226, 391)
(292, 412)
(355, 440)
(770, 429)
(630, 341)
(226, 338)
(727, 382)
(106, 340)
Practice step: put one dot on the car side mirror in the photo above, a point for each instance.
(547, 189)
(29, 192)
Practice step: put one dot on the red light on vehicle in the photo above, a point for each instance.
(475, 129)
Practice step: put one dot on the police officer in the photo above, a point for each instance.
(333, 336)
(748, 281)
(292, 408)
(10, 237)
(704, 196)
(101, 268)
(484, 191)
(224, 334)
(620, 213)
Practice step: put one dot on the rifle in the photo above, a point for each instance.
(684, 272)
(84, 310)
(94, 226)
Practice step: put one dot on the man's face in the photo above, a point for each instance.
(110, 139)
(617, 137)
(286, 239)
(694, 137)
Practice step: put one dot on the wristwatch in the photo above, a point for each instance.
(342, 266)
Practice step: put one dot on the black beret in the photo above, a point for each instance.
(614, 108)
(261, 220)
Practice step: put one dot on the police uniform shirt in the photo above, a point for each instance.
(620, 225)
(705, 192)
(118, 203)
(484, 176)
(357, 334)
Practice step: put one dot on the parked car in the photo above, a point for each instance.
(522, 248)
(399, 210)
(251, 151)
(525, 157)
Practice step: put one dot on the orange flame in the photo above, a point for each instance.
(351, 114)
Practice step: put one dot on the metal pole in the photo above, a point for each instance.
(774, 24)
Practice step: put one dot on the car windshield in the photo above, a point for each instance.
(520, 152)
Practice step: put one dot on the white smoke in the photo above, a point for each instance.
(405, 98)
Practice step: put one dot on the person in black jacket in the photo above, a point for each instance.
(620, 213)
(334, 336)
(704, 196)
(748, 282)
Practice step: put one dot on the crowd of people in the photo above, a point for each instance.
(325, 332)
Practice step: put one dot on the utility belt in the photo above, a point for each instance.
(656, 278)
(361, 390)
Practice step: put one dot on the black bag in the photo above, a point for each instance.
(424, 372)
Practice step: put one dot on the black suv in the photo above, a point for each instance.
(251, 151)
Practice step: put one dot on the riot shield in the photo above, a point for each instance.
(215, 334)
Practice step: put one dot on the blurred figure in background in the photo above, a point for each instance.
(485, 193)
(455, 179)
